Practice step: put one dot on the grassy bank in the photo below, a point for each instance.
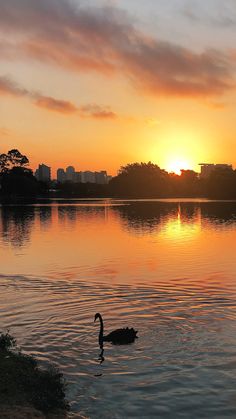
(23, 383)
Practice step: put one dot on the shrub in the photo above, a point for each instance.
(23, 382)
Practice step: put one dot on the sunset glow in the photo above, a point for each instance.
(142, 94)
(176, 166)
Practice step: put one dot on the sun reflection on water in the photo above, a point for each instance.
(156, 266)
(182, 228)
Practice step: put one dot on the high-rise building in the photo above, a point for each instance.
(88, 177)
(61, 175)
(101, 177)
(109, 178)
(82, 177)
(77, 177)
(224, 166)
(207, 168)
(43, 173)
(70, 173)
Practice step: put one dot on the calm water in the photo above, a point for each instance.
(166, 268)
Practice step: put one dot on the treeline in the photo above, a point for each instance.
(147, 180)
(136, 180)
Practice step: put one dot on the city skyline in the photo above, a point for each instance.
(44, 173)
(71, 174)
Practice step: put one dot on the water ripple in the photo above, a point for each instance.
(185, 350)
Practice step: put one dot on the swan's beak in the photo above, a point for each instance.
(96, 317)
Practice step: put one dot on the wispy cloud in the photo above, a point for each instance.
(105, 40)
(98, 112)
(212, 12)
(9, 87)
(55, 105)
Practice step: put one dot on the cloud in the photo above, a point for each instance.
(98, 112)
(9, 87)
(66, 107)
(105, 40)
(175, 71)
(213, 12)
(55, 105)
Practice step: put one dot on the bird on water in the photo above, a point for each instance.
(118, 336)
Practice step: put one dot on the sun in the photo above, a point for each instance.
(175, 166)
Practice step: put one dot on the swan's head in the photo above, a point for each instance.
(97, 316)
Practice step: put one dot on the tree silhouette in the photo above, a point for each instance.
(11, 160)
(189, 182)
(140, 180)
(17, 159)
(15, 178)
(4, 163)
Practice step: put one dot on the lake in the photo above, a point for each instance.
(167, 268)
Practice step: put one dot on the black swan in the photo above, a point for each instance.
(118, 336)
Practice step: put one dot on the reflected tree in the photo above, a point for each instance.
(150, 217)
(188, 211)
(219, 212)
(45, 216)
(73, 213)
(145, 217)
(17, 223)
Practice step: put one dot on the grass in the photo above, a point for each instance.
(24, 383)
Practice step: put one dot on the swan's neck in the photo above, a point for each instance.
(101, 331)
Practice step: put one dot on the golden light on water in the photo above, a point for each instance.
(182, 229)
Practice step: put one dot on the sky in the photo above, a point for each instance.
(98, 84)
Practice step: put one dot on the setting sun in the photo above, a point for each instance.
(177, 165)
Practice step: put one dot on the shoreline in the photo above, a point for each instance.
(48, 200)
(25, 386)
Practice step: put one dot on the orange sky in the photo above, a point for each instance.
(98, 84)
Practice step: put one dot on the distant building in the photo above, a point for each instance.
(207, 168)
(70, 173)
(77, 177)
(61, 175)
(101, 177)
(109, 178)
(224, 166)
(43, 173)
(88, 177)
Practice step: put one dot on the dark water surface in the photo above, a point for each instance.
(167, 268)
